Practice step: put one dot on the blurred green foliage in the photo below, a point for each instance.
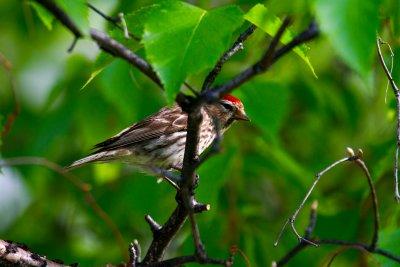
(299, 125)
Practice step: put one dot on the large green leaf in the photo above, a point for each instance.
(194, 42)
(78, 11)
(260, 16)
(351, 27)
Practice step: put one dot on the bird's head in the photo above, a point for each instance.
(235, 107)
(229, 109)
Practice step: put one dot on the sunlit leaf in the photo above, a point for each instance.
(102, 61)
(351, 27)
(260, 16)
(194, 42)
(45, 16)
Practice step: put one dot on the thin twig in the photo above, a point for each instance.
(114, 20)
(292, 219)
(396, 93)
(357, 159)
(84, 187)
(307, 234)
(216, 92)
(237, 46)
(375, 235)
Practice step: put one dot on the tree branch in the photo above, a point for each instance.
(117, 49)
(12, 254)
(187, 204)
(216, 92)
(61, 16)
(308, 235)
(164, 236)
(396, 93)
(237, 46)
(115, 21)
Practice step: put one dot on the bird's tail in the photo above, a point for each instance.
(100, 156)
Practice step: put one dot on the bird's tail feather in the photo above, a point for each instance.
(101, 156)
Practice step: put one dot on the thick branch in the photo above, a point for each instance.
(12, 254)
(164, 236)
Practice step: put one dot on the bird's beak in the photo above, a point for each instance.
(241, 116)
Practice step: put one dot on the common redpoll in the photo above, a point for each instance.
(158, 142)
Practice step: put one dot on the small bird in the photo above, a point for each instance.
(158, 142)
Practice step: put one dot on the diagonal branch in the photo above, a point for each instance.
(237, 45)
(61, 16)
(216, 92)
(114, 21)
(104, 41)
(12, 254)
(117, 49)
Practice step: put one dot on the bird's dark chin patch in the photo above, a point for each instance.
(229, 122)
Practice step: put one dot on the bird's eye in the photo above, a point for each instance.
(227, 106)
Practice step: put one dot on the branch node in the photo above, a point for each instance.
(73, 44)
(134, 253)
(154, 226)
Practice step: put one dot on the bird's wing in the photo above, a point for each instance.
(166, 121)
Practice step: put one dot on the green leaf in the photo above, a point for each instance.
(102, 61)
(136, 20)
(260, 16)
(78, 11)
(267, 105)
(45, 16)
(181, 39)
(351, 27)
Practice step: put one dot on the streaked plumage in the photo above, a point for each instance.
(159, 140)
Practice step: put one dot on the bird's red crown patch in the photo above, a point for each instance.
(232, 99)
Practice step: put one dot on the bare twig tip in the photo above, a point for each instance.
(350, 152)
(360, 153)
(314, 205)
